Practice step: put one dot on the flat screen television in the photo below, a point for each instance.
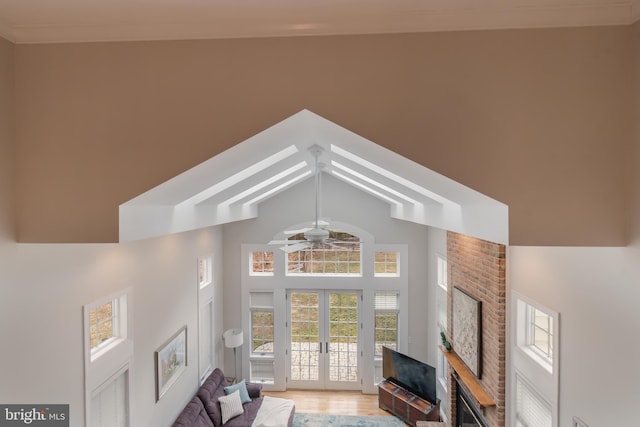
(409, 373)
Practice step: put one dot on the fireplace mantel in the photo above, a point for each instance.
(468, 379)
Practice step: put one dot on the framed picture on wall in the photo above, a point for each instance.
(170, 361)
(467, 330)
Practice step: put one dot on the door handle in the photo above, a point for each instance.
(326, 347)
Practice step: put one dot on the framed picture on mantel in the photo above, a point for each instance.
(467, 330)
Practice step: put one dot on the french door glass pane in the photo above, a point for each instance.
(304, 336)
(343, 337)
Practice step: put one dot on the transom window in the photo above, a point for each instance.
(536, 333)
(386, 263)
(261, 263)
(327, 259)
(103, 322)
(540, 332)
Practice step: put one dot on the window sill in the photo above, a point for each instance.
(262, 357)
(532, 354)
(105, 348)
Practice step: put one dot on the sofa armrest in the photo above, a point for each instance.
(254, 390)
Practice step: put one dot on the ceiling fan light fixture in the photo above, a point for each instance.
(316, 234)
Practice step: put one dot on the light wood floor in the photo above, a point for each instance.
(332, 402)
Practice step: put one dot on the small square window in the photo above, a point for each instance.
(102, 324)
(105, 322)
(261, 263)
(386, 264)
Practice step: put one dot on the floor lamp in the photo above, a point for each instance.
(233, 338)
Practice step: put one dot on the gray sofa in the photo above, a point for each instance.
(204, 409)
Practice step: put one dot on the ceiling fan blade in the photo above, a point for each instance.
(293, 232)
(343, 242)
(297, 246)
(285, 242)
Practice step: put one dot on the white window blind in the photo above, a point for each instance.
(261, 299)
(531, 409)
(109, 404)
(386, 301)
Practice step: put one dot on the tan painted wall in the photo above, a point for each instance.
(538, 119)
(635, 212)
(7, 141)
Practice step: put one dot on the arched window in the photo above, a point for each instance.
(339, 255)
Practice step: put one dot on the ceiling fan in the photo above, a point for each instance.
(318, 234)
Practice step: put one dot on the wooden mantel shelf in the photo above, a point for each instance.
(469, 380)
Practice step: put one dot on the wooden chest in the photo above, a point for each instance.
(405, 405)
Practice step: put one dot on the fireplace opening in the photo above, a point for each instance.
(467, 415)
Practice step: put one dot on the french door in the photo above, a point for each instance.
(324, 349)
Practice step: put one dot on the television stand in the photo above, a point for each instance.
(406, 405)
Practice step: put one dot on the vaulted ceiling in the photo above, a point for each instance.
(42, 21)
(230, 186)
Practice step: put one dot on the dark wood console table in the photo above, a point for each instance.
(406, 405)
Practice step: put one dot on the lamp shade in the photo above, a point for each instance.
(232, 338)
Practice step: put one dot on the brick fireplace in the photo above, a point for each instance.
(477, 267)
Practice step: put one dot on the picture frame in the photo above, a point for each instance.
(467, 330)
(170, 361)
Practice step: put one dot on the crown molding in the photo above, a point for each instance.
(430, 20)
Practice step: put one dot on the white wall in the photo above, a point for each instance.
(340, 202)
(41, 323)
(596, 292)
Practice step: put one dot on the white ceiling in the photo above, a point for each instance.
(43, 21)
(231, 186)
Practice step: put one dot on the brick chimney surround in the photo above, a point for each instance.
(478, 267)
